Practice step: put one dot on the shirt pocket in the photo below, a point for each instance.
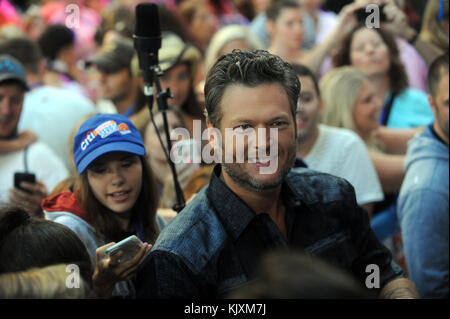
(336, 249)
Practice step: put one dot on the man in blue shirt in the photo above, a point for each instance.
(423, 200)
(261, 203)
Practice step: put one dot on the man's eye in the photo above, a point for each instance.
(182, 77)
(242, 127)
(305, 98)
(279, 123)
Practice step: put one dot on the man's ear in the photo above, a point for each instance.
(211, 136)
(320, 106)
(270, 26)
(432, 105)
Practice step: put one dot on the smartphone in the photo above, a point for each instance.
(23, 177)
(361, 14)
(130, 247)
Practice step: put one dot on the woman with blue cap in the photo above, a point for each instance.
(115, 196)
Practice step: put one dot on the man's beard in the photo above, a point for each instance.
(306, 135)
(241, 177)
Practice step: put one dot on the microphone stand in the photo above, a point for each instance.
(161, 99)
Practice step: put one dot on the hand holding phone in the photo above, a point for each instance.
(109, 271)
(24, 177)
(130, 246)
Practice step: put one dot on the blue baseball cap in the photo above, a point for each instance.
(105, 133)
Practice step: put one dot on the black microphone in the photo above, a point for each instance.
(147, 38)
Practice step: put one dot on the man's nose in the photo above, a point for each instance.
(5, 106)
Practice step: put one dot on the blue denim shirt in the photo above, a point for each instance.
(213, 246)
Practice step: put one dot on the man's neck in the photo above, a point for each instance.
(285, 53)
(305, 145)
(123, 104)
(437, 130)
(33, 79)
(269, 202)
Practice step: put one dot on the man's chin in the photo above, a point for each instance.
(254, 181)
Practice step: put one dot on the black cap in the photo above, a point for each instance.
(113, 56)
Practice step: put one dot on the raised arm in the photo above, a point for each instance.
(390, 170)
(396, 140)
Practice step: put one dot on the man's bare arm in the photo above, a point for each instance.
(401, 288)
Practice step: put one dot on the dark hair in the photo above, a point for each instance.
(274, 10)
(288, 274)
(302, 70)
(14, 82)
(437, 69)
(248, 68)
(25, 50)
(144, 210)
(55, 38)
(397, 73)
(27, 242)
(117, 18)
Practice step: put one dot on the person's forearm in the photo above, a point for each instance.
(396, 140)
(10, 145)
(389, 169)
(314, 58)
(427, 50)
(401, 288)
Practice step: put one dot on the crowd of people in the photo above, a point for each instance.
(359, 101)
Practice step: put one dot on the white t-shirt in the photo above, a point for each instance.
(42, 161)
(51, 113)
(342, 153)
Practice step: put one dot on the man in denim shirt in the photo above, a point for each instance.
(257, 203)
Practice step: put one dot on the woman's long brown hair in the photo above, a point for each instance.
(397, 73)
(144, 210)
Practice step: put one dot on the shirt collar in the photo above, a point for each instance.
(227, 203)
(234, 213)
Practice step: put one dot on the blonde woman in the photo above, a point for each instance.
(351, 102)
(227, 39)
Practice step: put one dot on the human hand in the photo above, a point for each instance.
(110, 270)
(31, 202)
(23, 140)
(346, 19)
(26, 138)
(397, 21)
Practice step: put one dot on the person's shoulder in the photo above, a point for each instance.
(340, 138)
(410, 93)
(66, 218)
(338, 132)
(195, 233)
(314, 186)
(51, 93)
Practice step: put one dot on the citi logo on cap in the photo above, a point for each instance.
(104, 130)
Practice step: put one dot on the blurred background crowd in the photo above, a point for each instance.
(364, 88)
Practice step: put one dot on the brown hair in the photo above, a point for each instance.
(438, 68)
(397, 73)
(250, 69)
(144, 210)
(28, 242)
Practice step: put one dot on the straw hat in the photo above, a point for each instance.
(173, 51)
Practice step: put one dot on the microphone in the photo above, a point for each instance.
(147, 39)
